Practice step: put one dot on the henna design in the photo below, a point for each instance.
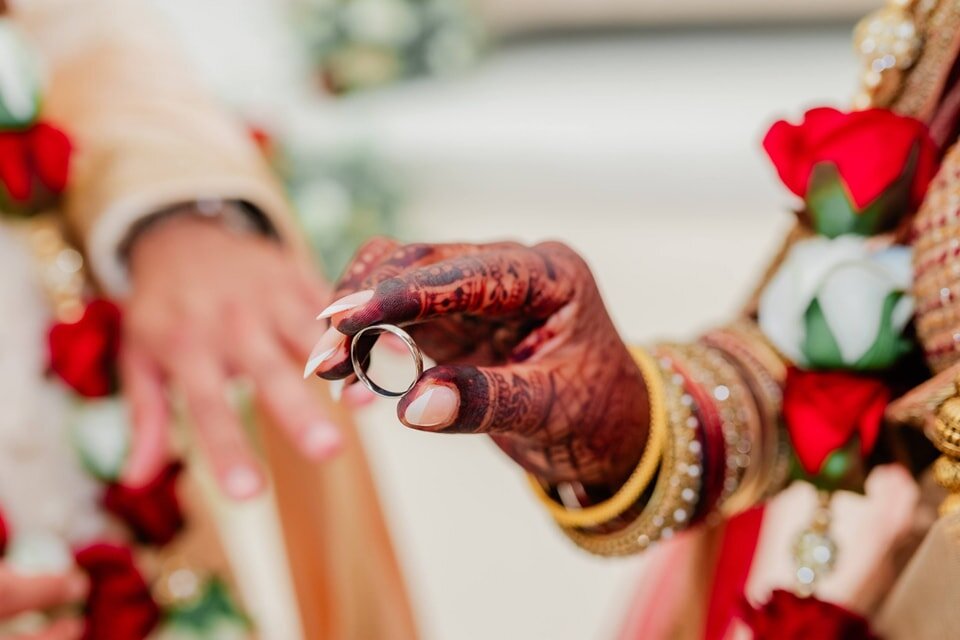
(523, 335)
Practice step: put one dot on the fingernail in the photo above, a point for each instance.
(321, 440)
(435, 406)
(346, 303)
(356, 395)
(242, 482)
(328, 345)
(77, 586)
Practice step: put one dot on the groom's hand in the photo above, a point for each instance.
(209, 304)
(23, 594)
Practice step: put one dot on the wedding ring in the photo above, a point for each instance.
(405, 338)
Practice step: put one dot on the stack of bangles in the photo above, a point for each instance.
(715, 445)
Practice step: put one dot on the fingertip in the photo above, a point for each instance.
(346, 303)
(432, 406)
(242, 482)
(321, 441)
(143, 464)
(357, 395)
(325, 352)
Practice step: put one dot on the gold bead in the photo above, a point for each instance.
(946, 427)
(946, 470)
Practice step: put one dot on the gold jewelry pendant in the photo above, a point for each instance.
(885, 39)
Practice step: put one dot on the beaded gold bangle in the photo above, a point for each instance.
(677, 488)
(628, 494)
(767, 392)
(739, 419)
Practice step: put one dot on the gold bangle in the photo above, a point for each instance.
(628, 494)
(677, 491)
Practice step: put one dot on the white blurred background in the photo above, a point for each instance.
(629, 130)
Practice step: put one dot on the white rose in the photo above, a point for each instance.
(19, 79)
(851, 281)
(101, 435)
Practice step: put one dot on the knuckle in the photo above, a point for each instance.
(555, 248)
(377, 244)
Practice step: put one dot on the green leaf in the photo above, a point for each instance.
(211, 609)
(100, 434)
(890, 344)
(843, 469)
(828, 205)
(832, 212)
(819, 346)
(822, 351)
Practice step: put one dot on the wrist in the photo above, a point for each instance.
(193, 217)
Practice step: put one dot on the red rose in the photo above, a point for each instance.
(870, 150)
(152, 512)
(84, 353)
(38, 156)
(119, 606)
(824, 409)
(787, 616)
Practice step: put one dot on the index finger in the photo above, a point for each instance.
(532, 282)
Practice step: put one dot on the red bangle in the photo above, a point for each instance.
(711, 438)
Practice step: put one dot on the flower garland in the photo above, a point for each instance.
(839, 307)
(82, 351)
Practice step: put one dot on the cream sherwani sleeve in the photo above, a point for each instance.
(146, 136)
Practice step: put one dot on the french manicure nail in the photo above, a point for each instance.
(346, 303)
(321, 440)
(325, 348)
(435, 406)
(242, 482)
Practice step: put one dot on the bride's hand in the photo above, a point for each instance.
(526, 351)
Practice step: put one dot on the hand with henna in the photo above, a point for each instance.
(526, 352)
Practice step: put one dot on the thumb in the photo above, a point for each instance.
(465, 399)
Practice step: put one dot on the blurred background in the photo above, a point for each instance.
(629, 130)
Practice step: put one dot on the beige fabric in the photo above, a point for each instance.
(146, 136)
(923, 605)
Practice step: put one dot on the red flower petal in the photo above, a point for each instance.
(50, 150)
(14, 169)
(153, 511)
(870, 150)
(120, 606)
(786, 616)
(823, 410)
(84, 353)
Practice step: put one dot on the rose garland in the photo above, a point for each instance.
(840, 303)
(839, 307)
(34, 171)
